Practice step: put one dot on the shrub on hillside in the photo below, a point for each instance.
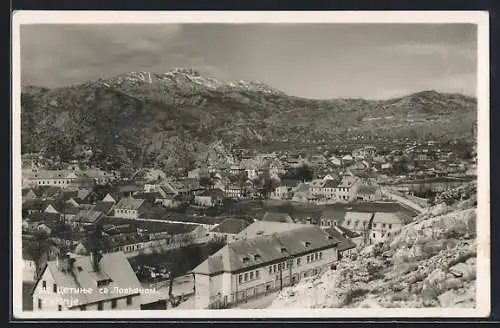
(353, 294)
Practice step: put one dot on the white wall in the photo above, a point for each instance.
(202, 291)
(129, 214)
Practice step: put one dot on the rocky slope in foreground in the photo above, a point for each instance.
(432, 263)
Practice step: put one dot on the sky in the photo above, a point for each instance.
(323, 61)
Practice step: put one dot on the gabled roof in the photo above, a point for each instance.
(129, 203)
(35, 204)
(241, 254)
(385, 207)
(42, 217)
(231, 226)
(88, 216)
(331, 183)
(104, 207)
(114, 266)
(66, 195)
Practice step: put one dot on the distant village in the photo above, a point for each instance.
(275, 218)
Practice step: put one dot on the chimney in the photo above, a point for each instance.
(95, 259)
(62, 262)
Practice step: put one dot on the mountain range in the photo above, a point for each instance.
(172, 120)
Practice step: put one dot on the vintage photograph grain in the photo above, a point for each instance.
(223, 166)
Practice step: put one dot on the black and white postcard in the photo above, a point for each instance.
(250, 164)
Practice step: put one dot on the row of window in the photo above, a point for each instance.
(388, 234)
(314, 257)
(286, 265)
(374, 225)
(125, 211)
(248, 276)
(48, 182)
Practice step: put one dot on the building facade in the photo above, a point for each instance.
(255, 266)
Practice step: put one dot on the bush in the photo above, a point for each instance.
(374, 272)
(430, 250)
(410, 267)
(461, 258)
(431, 293)
(352, 294)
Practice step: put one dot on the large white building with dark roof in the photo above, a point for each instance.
(262, 260)
(130, 208)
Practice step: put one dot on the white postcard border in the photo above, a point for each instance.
(480, 18)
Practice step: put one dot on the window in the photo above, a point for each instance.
(383, 225)
(348, 223)
(113, 304)
(39, 303)
(374, 225)
(44, 284)
(320, 255)
(83, 308)
(99, 306)
(257, 274)
(390, 226)
(129, 300)
(307, 259)
(54, 288)
(251, 275)
(246, 276)
(59, 307)
(298, 261)
(274, 267)
(373, 235)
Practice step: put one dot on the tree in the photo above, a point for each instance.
(38, 249)
(305, 173)
(206, 182)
